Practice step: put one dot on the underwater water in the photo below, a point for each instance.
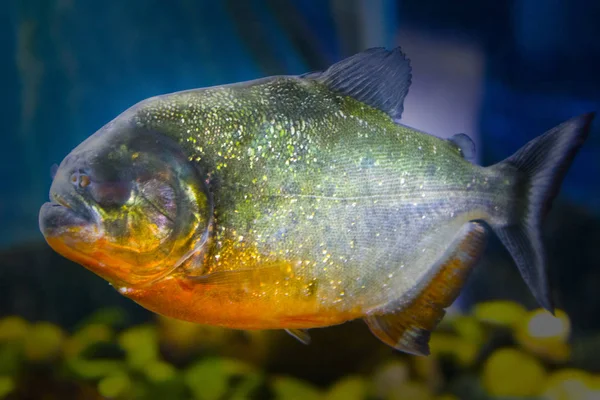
(502, 72)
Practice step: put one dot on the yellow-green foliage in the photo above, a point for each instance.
(178, 360)
(512, 373)
(212, 379)
(141, 346)
(7, 385)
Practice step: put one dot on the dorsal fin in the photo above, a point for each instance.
(466, 146)
(377, 77)
(409, 327)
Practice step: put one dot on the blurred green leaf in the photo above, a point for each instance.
(411, 390)
(113, 317)
(247, 386)
(94, 333)
(114, 385)
(7, 385)
(160, 371)
(43, 342)
(86, 337)
(469, 328)
(94, 369)
(349, 388)
(511, 372)
(288, 388)
(499, 313)
(209, 379)
(141, 345)
(13, 328)
(172, 389)
(11, 357)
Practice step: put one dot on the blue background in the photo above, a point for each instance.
(70, 66)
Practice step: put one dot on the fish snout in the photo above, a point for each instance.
(56, 219)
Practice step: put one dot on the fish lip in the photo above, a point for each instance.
(60, 214)
(58, 200)
(76, 203)
(55, 219)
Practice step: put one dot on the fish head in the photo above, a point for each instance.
(127, 204)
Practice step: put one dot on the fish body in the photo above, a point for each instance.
(296, 202)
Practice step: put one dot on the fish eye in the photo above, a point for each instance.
(84, 181)
(80, 179)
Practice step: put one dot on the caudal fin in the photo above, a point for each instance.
(541, 164)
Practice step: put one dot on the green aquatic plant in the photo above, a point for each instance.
(141, 346)
(289, 388)
(114, 385)
(499, 313)
(214, 378)
(43, 342)
(12, 331)
(7, 385)
(349, 388)
(104, 358)
(512, 373)
(13, 328)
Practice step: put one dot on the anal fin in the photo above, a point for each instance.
(409, 327)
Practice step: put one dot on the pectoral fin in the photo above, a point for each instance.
(409, 328)
(269, 273)
(229, 277)
(300, 334)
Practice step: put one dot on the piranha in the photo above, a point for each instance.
(297, 202)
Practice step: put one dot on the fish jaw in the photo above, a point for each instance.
(57, 219)
(69, 232)
(71, 235)
(76, 239)
(79, 238)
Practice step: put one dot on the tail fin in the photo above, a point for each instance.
(541, 164)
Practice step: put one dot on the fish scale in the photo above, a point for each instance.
(363, 196)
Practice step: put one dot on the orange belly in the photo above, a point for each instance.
(236, 306)
(259, 295)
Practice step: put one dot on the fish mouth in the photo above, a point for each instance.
(61, 216)
(72, 232)
(75, 230)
